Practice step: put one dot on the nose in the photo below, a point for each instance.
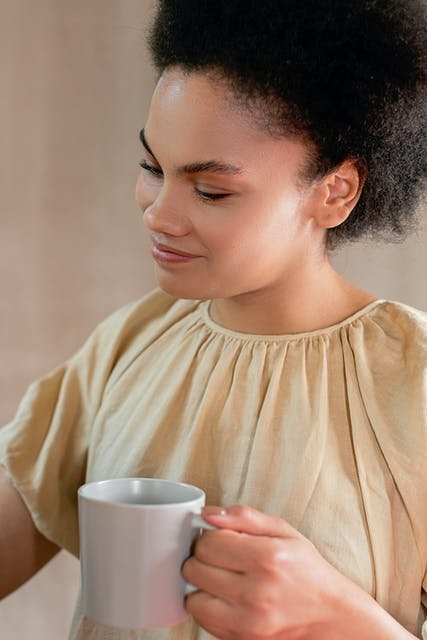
(160, 218)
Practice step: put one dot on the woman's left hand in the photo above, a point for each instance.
(259, 578)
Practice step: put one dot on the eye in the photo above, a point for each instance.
(204, 195)
(153, 170)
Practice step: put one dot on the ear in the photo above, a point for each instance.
(337, 194)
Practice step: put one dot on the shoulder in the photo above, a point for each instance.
(408, 321)
(392, 375)
(125, 332)
(391, 364)
(395, 334)
(391, 353)
(117, 340)
(155, 311)
(130, 330)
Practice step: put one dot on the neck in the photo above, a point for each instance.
(315, 298)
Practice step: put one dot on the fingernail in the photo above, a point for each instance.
(214, 511)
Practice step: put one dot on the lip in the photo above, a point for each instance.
(163, 253)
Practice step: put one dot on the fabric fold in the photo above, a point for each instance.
(326, 429)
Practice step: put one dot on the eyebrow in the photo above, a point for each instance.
(204, 166)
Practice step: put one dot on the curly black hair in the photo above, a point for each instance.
(347, 75)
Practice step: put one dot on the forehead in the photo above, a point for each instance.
(193, 115)
(193, 103)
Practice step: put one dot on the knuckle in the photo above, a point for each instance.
(246, 597)
(299, 551)
(265, 603)
(272, 556)
(240, 511)
(258, 610)
(258, 599)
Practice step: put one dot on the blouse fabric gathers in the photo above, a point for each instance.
(327, 429)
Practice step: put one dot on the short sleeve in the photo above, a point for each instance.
(44, 449)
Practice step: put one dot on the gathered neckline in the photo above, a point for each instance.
(284, 337)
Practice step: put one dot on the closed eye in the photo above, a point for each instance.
(203, 195)
(149, 167)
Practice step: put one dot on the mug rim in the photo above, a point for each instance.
(81, 492)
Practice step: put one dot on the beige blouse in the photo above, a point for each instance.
(327, 429)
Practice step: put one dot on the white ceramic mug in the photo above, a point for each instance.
(135, 533)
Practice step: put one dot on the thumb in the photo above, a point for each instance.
(247, 520)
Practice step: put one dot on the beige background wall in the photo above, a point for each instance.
(74, 92)
(75, 85)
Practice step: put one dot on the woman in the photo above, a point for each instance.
(294, 399)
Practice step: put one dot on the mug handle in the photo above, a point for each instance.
(197, 523)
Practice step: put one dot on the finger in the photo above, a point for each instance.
(222, 548)
(218, 582)
(210, 613)
(235, 551)
(245, 519)
(226, 549)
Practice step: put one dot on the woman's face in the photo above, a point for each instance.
(217, 187)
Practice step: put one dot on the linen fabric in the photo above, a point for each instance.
(327, 429)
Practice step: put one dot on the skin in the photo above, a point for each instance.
(23, 549)
(260, 579)
(261, 247)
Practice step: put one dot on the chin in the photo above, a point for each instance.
(181, 292)
(193, 287)
(182, 287)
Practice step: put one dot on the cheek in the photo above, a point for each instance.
(256, 238)
(252, 229)
(234, 244)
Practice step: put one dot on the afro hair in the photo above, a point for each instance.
(350, 77)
